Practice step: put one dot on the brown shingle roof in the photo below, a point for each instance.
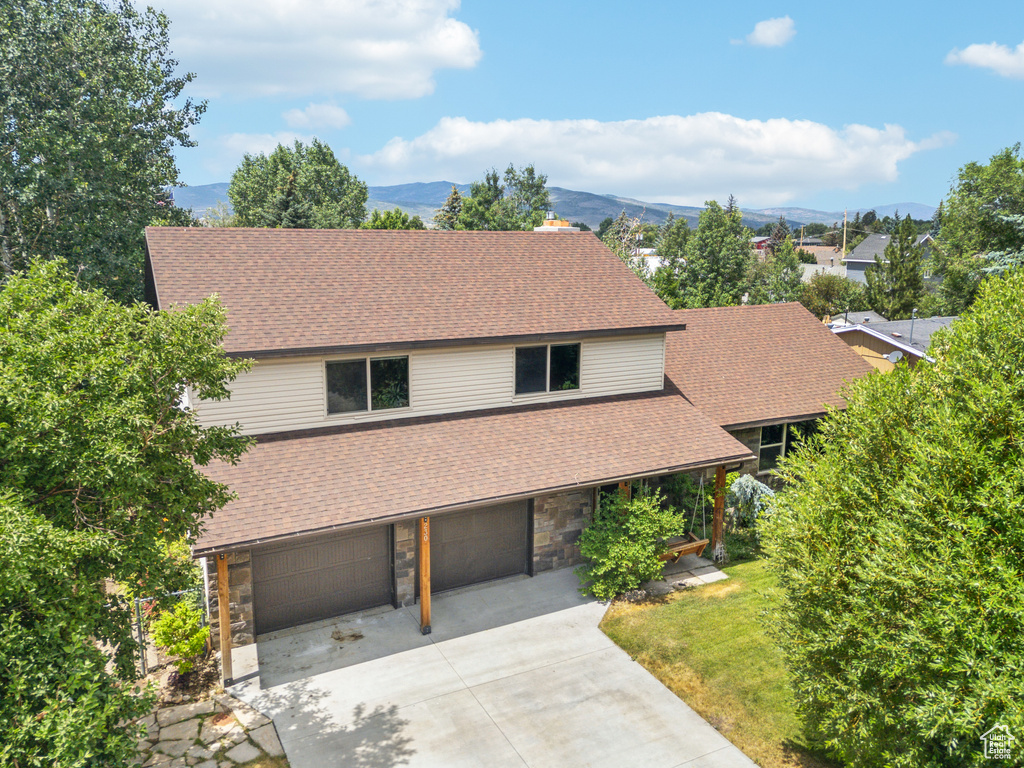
(320, 290)
(318, 480)
(757, 364)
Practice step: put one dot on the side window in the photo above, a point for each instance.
(549, 368)
(773, 440)
(367, 384)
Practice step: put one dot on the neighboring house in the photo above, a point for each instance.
(810, 270)
(863, 256)
(824, 255)
(863, 317)
(759, 243)
(470, 391)
(883, 344)
(761, 372)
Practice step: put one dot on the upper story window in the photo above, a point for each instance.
(779, 439)
(367, 384)
(547, 368)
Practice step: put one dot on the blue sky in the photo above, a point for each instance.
(819, 105)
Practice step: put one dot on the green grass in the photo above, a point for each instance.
(708, 646)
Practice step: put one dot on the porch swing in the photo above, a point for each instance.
(678, 546)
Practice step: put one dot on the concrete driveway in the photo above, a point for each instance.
(515, 673)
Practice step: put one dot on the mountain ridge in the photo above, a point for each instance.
(424, 198)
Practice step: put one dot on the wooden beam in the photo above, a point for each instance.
(717, 526)
(224, 615)
(425, 575)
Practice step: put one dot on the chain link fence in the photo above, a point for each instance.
(145, 611)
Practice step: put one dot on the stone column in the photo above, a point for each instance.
(239, 597)
(558, 521)
(405, 563)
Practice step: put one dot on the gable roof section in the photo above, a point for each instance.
(304, 483)
(319, 291)
(752, 365)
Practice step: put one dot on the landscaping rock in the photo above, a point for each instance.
(169, 715)
(710, 578)
(186, 729)
(243, 753)
(216, 726)
(246, 715)
(657, 588)
(207, 764)
(198, 752)
(158, 759)
(235, 736)
(267, 740)
(173, 748)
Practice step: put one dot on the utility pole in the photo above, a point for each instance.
(801, 235)
(844, 232)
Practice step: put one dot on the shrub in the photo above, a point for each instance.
(181, 633)
(750, 498)
(623, 542)
(898, 544)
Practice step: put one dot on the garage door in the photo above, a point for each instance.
(324, 577)
(478, 545)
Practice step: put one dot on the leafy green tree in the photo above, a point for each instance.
(832, 295)
(718, 258)
(624, 237)
(898, 541)
(582, 226)
(671, 250)
(516, 201)
(777, 278)
(977, 226)
(91, 114)
(265, 187)
(895, 285)
(396, 219)
(623, 541)
(602, 228)
(447, 217)
(100, 468)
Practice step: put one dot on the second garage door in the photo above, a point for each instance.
(479, 545)
(321, 578)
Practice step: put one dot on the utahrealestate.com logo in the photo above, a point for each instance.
(998, 743)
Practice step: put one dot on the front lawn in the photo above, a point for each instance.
(707, 645)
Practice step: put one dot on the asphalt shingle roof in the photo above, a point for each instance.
(757, 364)
(317, 480)
(292, 291)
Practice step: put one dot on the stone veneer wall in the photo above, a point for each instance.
(405, 562)
(558, 521)
(751, 438)
(239, 598)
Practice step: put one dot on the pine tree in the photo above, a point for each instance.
(448, 214)
(896, 285)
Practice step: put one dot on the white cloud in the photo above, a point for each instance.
(238, 144)
(999, 58)
(376, 49)
(674, 159)
(317, 116)
(771, 33)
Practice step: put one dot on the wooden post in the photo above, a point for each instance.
(224, 614)
(425, 575)
(717, 526)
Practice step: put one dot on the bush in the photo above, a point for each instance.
(898, 544)
(181, 633)
(750, 498)
(623, 542)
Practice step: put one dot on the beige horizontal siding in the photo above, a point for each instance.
(285, 395)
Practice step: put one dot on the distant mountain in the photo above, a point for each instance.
(200, 198)
(424, 198)
(807, 216)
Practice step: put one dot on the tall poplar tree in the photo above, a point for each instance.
(91, 114)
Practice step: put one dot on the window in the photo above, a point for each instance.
(548, 368)
(385, 379)
(773, 441)
(779, 439)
